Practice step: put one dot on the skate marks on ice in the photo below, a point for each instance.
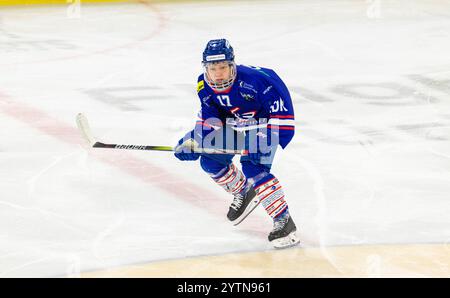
(152, 22)
(327, 119)
(405, 108)
(416, 260)
(128, 163)
(381, 103)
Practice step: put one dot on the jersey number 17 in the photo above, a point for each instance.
(225, 98)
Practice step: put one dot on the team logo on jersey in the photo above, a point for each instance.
(200, 86)
(244, 85)
(248, 115)
(205, 99)
(247, 96)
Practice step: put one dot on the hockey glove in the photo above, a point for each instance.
(184, 149)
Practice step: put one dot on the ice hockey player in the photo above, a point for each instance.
(247, 108)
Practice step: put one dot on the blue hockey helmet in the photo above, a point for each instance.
(217, 51)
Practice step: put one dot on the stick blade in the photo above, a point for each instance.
(83, 126)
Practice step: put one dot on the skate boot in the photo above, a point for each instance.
(283, 234)
(243, 204)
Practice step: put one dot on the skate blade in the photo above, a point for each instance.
(250, 207)
(285, 242)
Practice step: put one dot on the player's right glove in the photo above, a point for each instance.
(184, 149)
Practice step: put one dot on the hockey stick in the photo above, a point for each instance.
(83, 126)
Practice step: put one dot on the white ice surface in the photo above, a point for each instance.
(370, 162)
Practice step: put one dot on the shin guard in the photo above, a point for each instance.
(231, 179)
(271, 195)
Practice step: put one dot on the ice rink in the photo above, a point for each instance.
(367, 175)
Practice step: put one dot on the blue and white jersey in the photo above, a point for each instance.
(257, 98)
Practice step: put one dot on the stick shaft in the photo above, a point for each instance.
(165, 148)
(85, 130)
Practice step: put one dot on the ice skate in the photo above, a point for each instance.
(284, 230)
(243, 204)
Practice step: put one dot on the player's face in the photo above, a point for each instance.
(219, 72)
